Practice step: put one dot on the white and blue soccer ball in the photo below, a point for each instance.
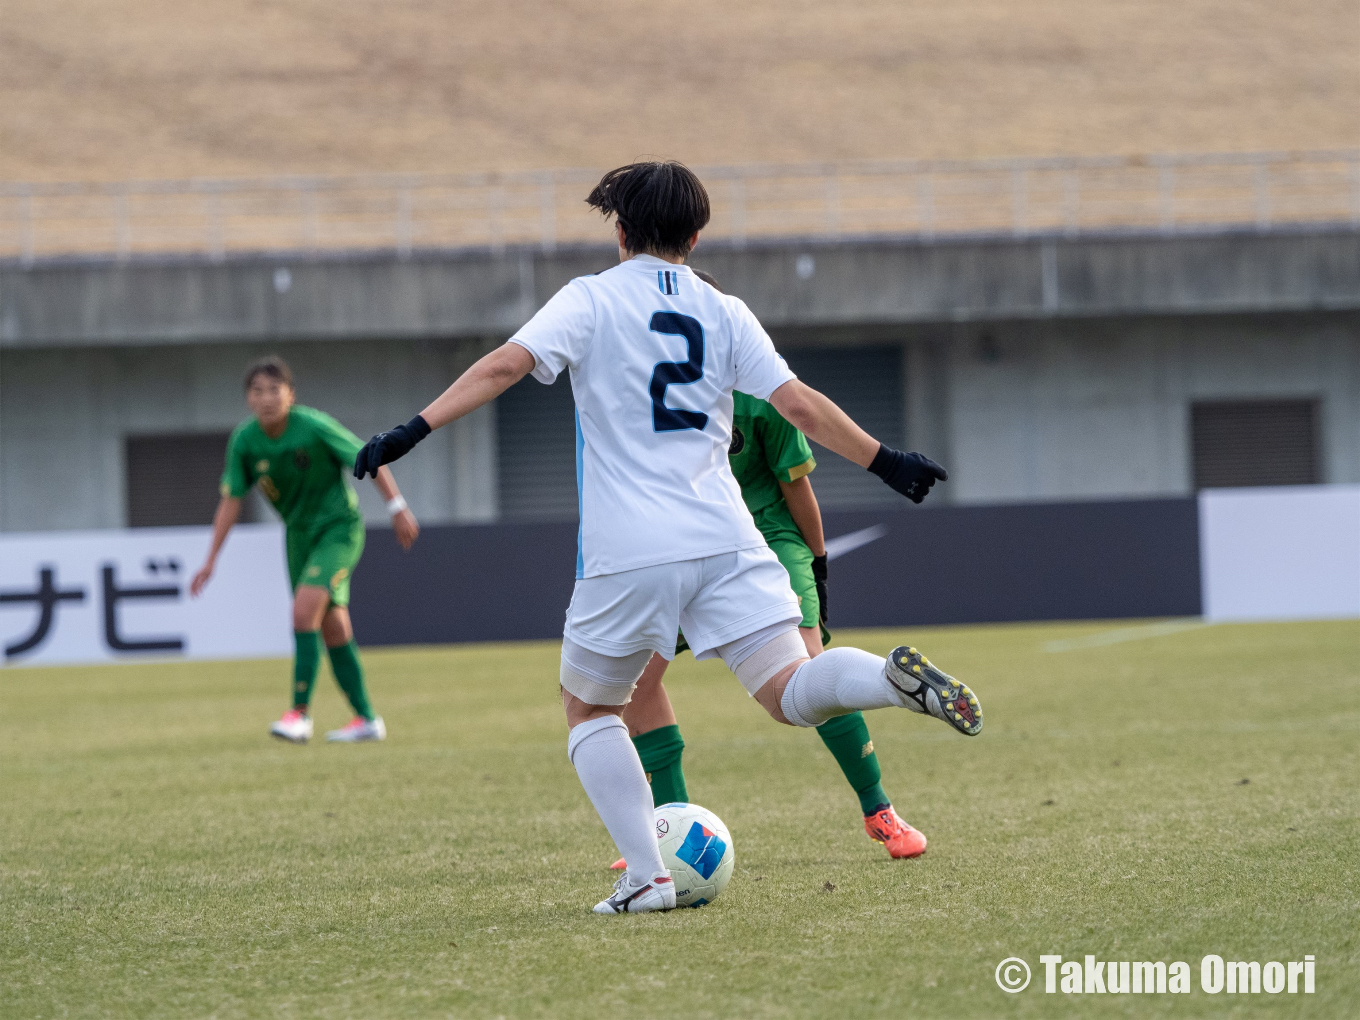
(697, 848)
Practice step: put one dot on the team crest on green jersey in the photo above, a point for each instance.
(738, 442)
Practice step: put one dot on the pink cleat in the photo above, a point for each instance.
(295, 727)
(901, 839)
(359, 729)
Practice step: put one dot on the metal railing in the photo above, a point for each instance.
(926, 199)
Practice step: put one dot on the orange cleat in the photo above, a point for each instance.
(618, 865)
(901, 839)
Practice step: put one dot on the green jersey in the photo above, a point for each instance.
(765, 451)
(302, 472)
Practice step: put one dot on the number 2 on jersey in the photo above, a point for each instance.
(677, 373)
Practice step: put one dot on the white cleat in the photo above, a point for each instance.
(294, 727)
(932, 691)
(359, 729)
(658, 893)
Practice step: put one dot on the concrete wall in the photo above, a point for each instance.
(1101, 408)
(1056, 410)
(1034, 368)
(791, 284)
(64, 415)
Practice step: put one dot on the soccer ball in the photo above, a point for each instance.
(697, 849)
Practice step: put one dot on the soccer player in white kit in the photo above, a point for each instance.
(665, 540)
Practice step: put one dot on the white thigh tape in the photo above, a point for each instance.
(782, 650)
(600, 679)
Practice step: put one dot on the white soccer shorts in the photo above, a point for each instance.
(714, 601)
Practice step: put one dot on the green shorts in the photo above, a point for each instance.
(781, 534)
(326, 558)
(797, 560)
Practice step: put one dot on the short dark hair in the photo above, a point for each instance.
(709, 279)
(660, 204)
(272, 366)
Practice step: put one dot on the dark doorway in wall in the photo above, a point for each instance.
(172, 479)
(536, 445)
(1255, 442)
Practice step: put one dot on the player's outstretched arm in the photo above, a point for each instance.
(818, 417)
(228, 512)
(486, 380)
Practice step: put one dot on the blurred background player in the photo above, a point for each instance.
(299, 458)
(772, 463)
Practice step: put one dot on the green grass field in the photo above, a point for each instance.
(1186, 792)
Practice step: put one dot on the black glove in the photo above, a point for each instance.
(911, 474)
(387, 446)
(819, 575)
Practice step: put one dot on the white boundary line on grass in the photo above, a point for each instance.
(1119, 635)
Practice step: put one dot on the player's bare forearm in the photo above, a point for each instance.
(817, 417)
(806, 513)
(486, 380)
(404, 523)
(386, 484)
(228, 512)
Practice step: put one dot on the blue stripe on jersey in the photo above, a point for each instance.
(667, 282)
(580, 498)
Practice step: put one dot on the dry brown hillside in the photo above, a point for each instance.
(110, 89)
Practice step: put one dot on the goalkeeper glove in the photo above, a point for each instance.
(911, 474)
(387, 446)
(819, 576)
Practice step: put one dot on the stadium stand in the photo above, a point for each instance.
(226, 88)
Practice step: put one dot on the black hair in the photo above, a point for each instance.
(660, 204)
(272, 366)
(709, 279)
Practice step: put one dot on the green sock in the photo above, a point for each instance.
(660, 751)
(306, 661)
(847, 738)
(349, 674)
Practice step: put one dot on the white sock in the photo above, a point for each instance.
(611, 772)
(837, 682)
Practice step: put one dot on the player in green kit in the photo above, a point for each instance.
(299, 458)
(771, 461)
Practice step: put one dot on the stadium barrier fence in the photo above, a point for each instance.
(1280, 553)
(406, 213)
(942, 565)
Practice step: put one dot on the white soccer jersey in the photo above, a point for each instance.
(654, 354)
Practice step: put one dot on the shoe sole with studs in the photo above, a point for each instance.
(958, 703)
